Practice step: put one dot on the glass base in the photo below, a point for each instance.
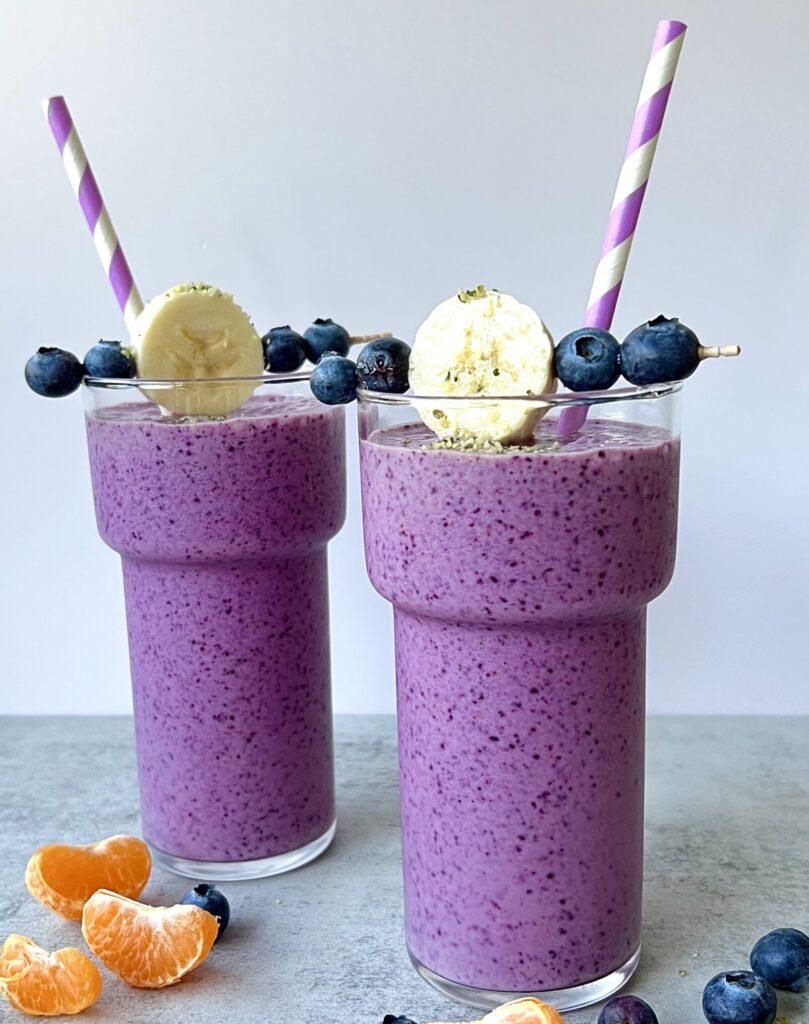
(241, 870)
(560, 998)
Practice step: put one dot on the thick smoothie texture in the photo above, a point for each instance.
(222, 527)
(519, 583)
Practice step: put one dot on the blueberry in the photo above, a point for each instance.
(284, 350)
(588, 360)
(334, 380)
(782, 957)
(739, 997)
(383, 364)
(659, 351)
(207, 896)
(627, 1010)
(325, 336)
(109, 359)
(391, 1018)
(53, 373)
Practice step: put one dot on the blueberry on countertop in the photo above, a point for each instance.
(739, 997)
(782, 957)
(207, 896)
(53, 373)
(284, 350)
(325, 336)
(391, 1018)
(588, 360)
(383, 366)
(109, 359)
(334, 380)
(627, 1010)
(659, 351)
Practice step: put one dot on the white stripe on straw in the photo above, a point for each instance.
(635, 170)
(610, 269)
(661, 68)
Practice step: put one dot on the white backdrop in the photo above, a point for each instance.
(363, 160)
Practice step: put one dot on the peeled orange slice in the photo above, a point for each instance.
(47, 984)
(524, 1011)
(521, 1011)
(148, 947)
(63, 877)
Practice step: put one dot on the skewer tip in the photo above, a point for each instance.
(364, 339)
(717, 351)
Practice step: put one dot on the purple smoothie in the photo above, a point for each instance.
(519, 583)
(222, 527)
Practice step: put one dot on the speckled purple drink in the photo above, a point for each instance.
(519, 582)
(222, 526)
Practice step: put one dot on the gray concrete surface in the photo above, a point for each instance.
(727, 859)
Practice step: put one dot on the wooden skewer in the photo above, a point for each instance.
(363, 339)
(715, 351)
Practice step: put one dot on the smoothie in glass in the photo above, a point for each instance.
(222, 525)
(519, 581)
(220, 487)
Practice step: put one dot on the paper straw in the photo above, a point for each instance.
(630, 190)
(82, 181)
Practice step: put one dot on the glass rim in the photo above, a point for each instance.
(156, 382)
(566, 399)
(365, 396)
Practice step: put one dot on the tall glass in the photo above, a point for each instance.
(519, 581)
(222, 526)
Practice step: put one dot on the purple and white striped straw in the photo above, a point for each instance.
(630, 190)
(83, 183)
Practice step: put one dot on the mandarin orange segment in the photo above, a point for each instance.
(47, 984)
(64, 877)
(148, 947)
(524, 1011)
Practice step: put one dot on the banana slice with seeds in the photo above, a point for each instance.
(481, 343)
(197, 332)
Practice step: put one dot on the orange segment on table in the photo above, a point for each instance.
(64, 877)
(148, 947)
(524, 1011)
(47, 984)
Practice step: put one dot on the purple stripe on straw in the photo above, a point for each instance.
(90, 198)
(120, 277)
(666, 31)
(649, 119)
(603, 309)
(59, 119)
(623, 220)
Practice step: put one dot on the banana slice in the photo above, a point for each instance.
(197, 332)
(481, 343)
